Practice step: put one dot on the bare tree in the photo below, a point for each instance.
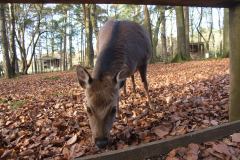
(64, 58)
(226, 42)
(4, 41)
(186, 20)
(89, 34)
(94, 19)
(220, 31)
(163, 34)
(21, 39)
(14, 62)
(181, 36)
(206, 40)
(147, 24)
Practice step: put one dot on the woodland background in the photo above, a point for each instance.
(33, 32)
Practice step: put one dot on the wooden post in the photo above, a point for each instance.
(234, 28)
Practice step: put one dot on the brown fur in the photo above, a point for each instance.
(122, 48)
(101, 91)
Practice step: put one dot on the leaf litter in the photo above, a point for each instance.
(52, 123)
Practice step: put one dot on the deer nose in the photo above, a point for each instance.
(101, 143)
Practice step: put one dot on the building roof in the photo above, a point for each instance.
(48, 57)
(200, 3)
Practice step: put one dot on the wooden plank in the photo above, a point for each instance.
(234, 30)
(144, 151)
(202, 3)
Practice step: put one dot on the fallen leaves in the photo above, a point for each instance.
(72, 140)
(193, 151)
(221, 148)
(48, 118)
(236, 137)
(162, 130)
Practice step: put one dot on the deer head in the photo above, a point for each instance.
(102, 101)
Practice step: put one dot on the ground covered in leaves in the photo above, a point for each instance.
(42, 116)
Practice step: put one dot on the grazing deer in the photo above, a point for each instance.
(123, 47)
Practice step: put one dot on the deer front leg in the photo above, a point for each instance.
(125, 89)
(143, 74)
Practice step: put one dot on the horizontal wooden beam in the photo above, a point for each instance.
(200, 3)
(160, 147)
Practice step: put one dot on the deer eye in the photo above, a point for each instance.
(114, 110)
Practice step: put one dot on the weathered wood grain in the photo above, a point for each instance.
(234, 31)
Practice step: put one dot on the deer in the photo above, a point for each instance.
(123, 47)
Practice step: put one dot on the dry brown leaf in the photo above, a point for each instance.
(192, 153)
(236, 137)
(72, 140)
(172, 155)
(214, 122)
(221, 148)
(26, 152)
(6, 153)
(161, 131)
(66, 152)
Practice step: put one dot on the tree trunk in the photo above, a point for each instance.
(61, 52)
(226, 43)
(65, 42)
(35, 64)
(33, 41)
(82, 47)
(171, 37)
(40, 56)
(155, 34)
(46, 38)
(163, 34)
(89, 33)
(147, 24)
(220, 31)
(181, 36)
(4, 40)
(52, 36)
(210, 30)
(186, 20)
(234, 28)
(70, 47)
(199, 28)
(12, 39)
(191, 26)
(94, 19)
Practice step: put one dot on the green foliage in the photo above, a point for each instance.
(13, 104)
(17, 103)
(3, 101)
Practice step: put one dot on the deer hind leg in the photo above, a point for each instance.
(133, 83)
(125, 89)
(143, 74)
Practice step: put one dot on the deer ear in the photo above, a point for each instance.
(123, 74)
(84, 77)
